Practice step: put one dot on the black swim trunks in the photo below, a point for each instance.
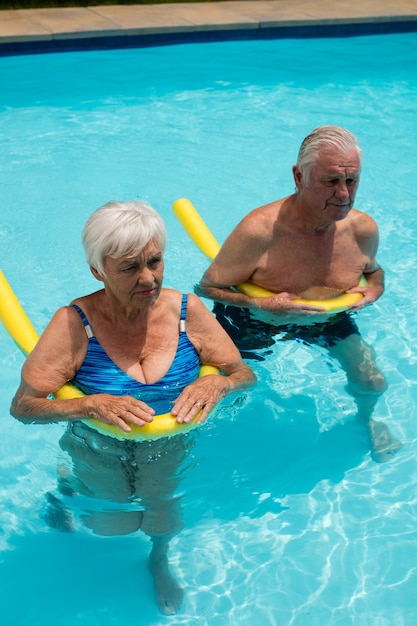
(250, 334)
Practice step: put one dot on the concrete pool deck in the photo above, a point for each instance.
(37, 25)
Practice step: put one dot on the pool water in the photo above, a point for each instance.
(287, 519)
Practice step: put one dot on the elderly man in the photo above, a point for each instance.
(314, 245)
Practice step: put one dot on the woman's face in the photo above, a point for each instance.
(136, 280)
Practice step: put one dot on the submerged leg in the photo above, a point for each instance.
(384, 445)
(366, 384)
(168, 592)
(57, 515)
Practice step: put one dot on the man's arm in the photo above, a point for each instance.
(369, 241)
(235, 263)
(209, 288)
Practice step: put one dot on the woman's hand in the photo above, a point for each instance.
(205, 392)
(123, 411)
(201, 396)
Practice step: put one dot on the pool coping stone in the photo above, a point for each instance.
(158, 24)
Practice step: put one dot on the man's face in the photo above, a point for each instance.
(331, 187)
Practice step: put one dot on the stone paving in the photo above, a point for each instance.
(33, 25)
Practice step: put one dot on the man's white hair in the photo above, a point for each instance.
(324, 137)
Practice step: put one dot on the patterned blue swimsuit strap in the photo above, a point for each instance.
(84, 320)
(183, 313)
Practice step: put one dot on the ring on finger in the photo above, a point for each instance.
(199, 405)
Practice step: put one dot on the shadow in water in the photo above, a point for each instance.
(67, 579)
(262, 452)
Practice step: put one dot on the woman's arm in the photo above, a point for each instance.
(214, 347)
(53, 362)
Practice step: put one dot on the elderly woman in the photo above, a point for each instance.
(134, 348)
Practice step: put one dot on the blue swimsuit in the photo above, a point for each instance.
(99, 374)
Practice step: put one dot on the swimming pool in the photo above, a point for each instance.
(287, 518)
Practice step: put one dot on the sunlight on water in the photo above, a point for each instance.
(288, 520)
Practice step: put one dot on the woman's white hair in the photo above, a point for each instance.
(121, 229)
(321, 138)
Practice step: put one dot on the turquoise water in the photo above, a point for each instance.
(288, 520)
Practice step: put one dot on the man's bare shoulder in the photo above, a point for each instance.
(261, 219)
(363, 224)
